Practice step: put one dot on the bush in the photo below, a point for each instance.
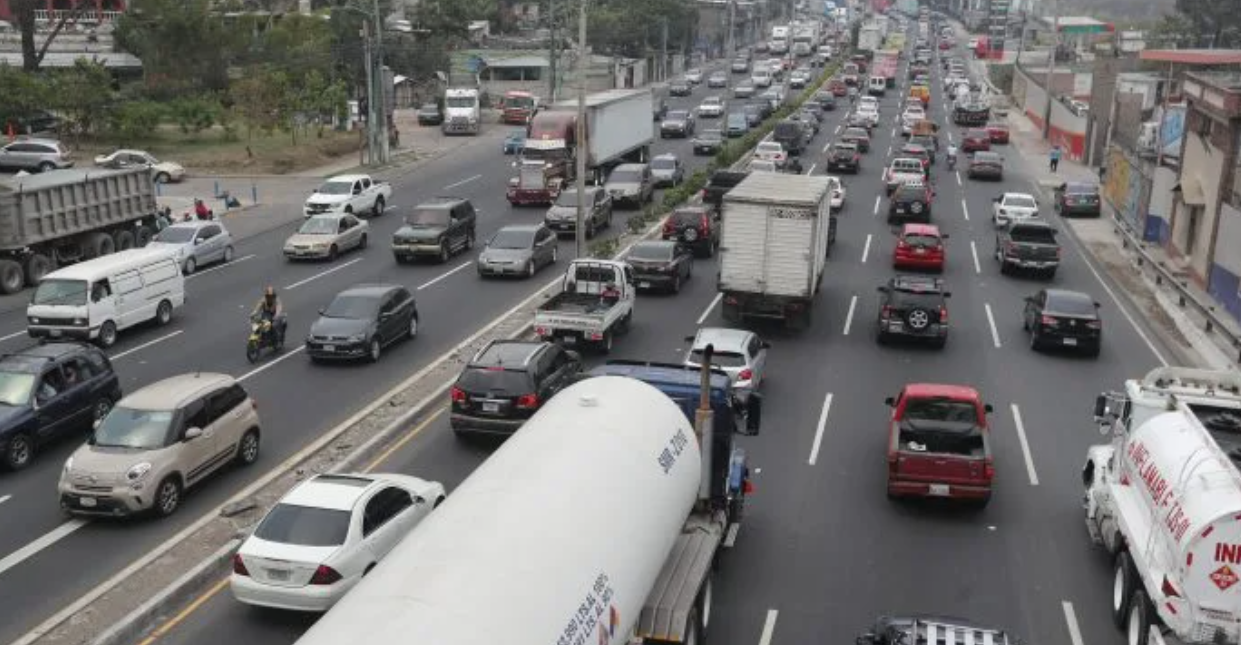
(193, 115)
(135, 120)
(603, 248)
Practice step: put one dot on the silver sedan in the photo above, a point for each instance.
(196, 243)
(518, 250)
(739, 353)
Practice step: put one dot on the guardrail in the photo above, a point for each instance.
(1214, 323)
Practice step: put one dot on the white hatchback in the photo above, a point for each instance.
(324, 535)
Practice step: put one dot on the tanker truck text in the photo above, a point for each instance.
(1160, 490)
(590, 612)
(676, 445)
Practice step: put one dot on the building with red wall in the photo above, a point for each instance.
(96, 11)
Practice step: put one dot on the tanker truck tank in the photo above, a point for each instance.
(556, 539)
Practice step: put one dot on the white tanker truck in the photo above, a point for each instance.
(597, 524)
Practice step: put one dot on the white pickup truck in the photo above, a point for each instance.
(584, 312)
(357, 194)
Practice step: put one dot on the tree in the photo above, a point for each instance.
(259, 98)
(24, 13)
(184, 47)
(1204, 23)
(23, 93)
(82, 93)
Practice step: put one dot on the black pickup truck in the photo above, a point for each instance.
(721, 182)
(1028, 245)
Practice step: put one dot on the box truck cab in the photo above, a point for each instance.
(96, 299)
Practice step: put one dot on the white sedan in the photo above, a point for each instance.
(838, 192)
(712, 107)
(771, 151)
(316, 544)
(164, 171)
(1013, 206)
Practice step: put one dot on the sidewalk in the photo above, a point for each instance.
(1182, 327)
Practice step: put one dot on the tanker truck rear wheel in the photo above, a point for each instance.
(37, 266)
(1137, 632)
(704, 610)
(11, 277)
(1122, 588)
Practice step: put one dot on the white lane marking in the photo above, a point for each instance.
(48, 539)
(889, 150)
(829, 143)
(1025, 445)
(995, 333)
(323, 273)
(707, 312)
(14, 335)
(958, 176)
(730, 540)
(441, 276)
(818, 432)
(949, 136)
(146, 344)
(219, 267)
(876, 209)
(965, 210)
(462, 182)
(849, 316)
(769, 627)
(893, 133)
(812, 167)
(1070, 617)
(274, 362)
(5, 498)
(866, 249)
(974, 253)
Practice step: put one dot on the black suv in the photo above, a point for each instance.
(696, 227)
(910, 202)
(913, 307)
(791, 134)
(844, 157)
(438, 228)
(49, 391)
(506, 383)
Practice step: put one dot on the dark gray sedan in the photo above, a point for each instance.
(518, 250)
(661, 265)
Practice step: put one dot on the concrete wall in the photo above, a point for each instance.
(1192, 228)
(1224, 283)
(1067, 129)
(1158, 227)
(1123, 187)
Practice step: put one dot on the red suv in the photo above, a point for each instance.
(920, 246)
(939, 444)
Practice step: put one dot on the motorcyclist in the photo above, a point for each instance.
(270, 309)
(952, 155)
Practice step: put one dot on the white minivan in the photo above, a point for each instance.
(761, 77)
(95, 299)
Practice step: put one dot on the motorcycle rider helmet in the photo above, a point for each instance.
(269, 295)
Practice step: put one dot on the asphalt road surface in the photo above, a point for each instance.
(47, 561)
(823, 551)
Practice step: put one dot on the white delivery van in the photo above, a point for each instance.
(94, 300)
(761, 77)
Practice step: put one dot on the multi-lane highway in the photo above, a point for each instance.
(823, 551)
(47, 561)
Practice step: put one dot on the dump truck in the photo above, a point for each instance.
(60, 217)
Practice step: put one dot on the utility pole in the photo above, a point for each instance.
(732, 17)
(1051, 65)
(582, 147)
(552, 53)
(663, 49)
(381, 85)
(371, 103)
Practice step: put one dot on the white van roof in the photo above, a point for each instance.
(91, 270)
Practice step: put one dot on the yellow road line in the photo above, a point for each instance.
(405, 439)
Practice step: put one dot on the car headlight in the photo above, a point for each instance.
(357, 338)
(68, 467)
(137, 472)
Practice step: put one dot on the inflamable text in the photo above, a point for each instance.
(1173, 516)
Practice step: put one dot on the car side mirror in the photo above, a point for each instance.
(192, 434)
(890, 402)
(765, 344)
(690, 339)
(753, 414)
(198, 240)
(881, 289)
(995, 199)
(1101, 407)
(419, 499)
(95, 426)
(321, 311)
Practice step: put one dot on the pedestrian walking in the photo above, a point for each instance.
(1055, 158)
(1102, 174)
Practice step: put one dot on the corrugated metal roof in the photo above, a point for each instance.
(604, 97)
(1194, 56)
(780, 188)
(518, 61)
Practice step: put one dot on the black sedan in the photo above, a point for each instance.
(680, 88)
(826, 100)
(430, 114)
(708, 142)
(1076, 198)
(858, 137)
(754, 115)
(1063, 318)
(362, 321)
(844, 157)
(659, 264)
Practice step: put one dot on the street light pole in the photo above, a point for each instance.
(1051, 65)
(381, 89)
(370, 93)
(581, 146)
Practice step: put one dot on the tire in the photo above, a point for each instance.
(228, 255)
(362, 243)
(445, 254)
(1138, 624)
(375, 352)
(676, 284)
(438, 500)
(530, 268)
(605, 345)
(167, 497)
(123, 239)
(705, 598)
(162, 178)
(36, 267)
(12, 279)
(332, 252)
(412, 331)
(101, 408)
(693, 628)
(248, 448)
(144, 236)
(163, 313)
(100, 244)
(252, 351)
(20, 452)
(1124, 578)
(47, 166)
(379, 207)
(107, 334)
(191, 265)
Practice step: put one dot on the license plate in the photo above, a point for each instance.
(329, 348)
(920, 251)
(87, 502)
(279, 575)
(1071, 342)
(644, 285)
(900, 209)
(570, 340)
(938, 490)
(54, 333)
(491, 407)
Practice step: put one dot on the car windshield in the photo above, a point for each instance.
(625, 176)
(909, 191)
(678, 115)
(512, 239)
(176, 234)
(350, 306)
(60, 292)
(941, 409)
(304, 526)
(1081, 189)
(1032, 234)
(708, 135)
(769, 147)
(986, 157)
(429, 107)
(569, 198)
(857, 133)
(495, 381)
(1019, 201)
(460, 102)
(844, 150)
(130, 428)
(719, 359)
(978, 134)
(336, 188)
(711, 100)
(428, 217)
(921, 239)
(15, 388)
(652, 252)
(319, 226)
(736, 118)
(663, 163)
(1071, 304)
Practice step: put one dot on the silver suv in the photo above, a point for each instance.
(157, 442)
(35, 155)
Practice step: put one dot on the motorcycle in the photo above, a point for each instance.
(263, 335)
(952, 162)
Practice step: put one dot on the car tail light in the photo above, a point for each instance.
(239, 567)
(902, 244)
(988, 469)
(943, 314)
(1049, 321)
(886, 312)
(540, 332)
(325, 575)
(1059, 251)
(1094, 324)
(745, 375)
(254, 404)
(1010, 248)
(706, 225)
(668, 227)
(458, 395)
(528, 401)
(1168, 589)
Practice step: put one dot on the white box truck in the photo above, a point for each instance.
(1164, 499)
(590, 525)
(774, 246)
(619, 128)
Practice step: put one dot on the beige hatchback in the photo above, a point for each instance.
(157, 442)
